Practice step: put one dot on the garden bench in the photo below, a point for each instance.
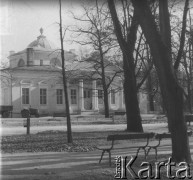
(117, 113)
(130, 136)
(189, 118)
(159, 138)
(58, 114)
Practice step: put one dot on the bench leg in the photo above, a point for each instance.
(147, 153)
(101, 156)
(145, 156)
(137, 151)
(155, 148)
(156, 154)
(109, 158)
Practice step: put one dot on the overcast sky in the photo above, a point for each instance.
(21, 21)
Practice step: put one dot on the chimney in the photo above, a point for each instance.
(11, 52)
(29, 56)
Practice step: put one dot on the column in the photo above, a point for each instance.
(121, 95)
(94, 96)
(81, 95)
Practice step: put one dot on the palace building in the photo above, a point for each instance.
(34, 79)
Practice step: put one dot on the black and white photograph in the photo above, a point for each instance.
(96, 89)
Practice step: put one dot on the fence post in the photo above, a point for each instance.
(28, 125)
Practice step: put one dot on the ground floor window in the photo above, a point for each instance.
(59, 96)
(25, 95)
(112, 96)
(100, 96)
(73, 96)
(43, 96)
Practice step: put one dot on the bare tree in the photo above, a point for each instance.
(171, 91)
(187, 63)
(126, 38)
(97, 32)
(69, 131)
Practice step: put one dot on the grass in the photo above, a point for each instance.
(54, 141)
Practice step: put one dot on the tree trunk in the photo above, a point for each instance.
(69, 131)
(131, 100)
(171, 91)
(106, 102)
(130, 90)
(150, 93)
(105, 89)
(190, 77)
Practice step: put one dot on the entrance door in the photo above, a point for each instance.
(87, 99)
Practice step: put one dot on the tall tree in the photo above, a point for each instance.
(69, 131)
(171, 91)
(96, 30)
(182, 37)
(127, 45)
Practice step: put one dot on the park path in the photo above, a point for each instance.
(8, 131)
(64, 165)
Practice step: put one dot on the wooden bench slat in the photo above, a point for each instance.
(130, 136)
(119, 113)
(168, 135)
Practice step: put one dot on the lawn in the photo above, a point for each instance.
(33, 148)
(54, 141)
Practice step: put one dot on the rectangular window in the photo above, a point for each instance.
(25, 95)
(73, 96)
(100, 94)
(43, 96)
(112, 96)
(59, 96)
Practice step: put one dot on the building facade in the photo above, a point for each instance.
(34, 79)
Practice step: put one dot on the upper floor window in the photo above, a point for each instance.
(59, 96)
(25, 95)
(21, 63)
(43, 96)
(73, 96)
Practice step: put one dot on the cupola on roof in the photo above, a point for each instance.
(41, 42)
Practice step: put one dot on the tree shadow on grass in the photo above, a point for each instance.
(83, 166)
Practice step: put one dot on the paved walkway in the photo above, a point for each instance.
(62, 165)
(7, 131)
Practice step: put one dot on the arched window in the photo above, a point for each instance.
(55, 62)
(21, 63)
